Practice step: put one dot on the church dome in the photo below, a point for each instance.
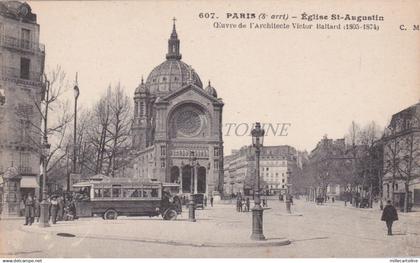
(211, 90)
(142, 88)
(172, 74)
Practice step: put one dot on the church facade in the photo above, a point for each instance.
(177, 128)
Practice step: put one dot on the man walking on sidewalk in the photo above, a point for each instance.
(389, 215)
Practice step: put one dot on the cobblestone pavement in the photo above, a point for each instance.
(330, 230)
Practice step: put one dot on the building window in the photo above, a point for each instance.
(163, 164)
(216, 151)
(163, 150)
(216, 164)
(24, 130)
(25, 159)
(282, 180)
(142, 108)
(24, 68)
(136, 106)
(25, 40)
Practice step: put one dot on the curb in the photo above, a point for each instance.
(267, 243)
(12, 218)
(292, 214)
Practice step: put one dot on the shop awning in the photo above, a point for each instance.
(29, 182)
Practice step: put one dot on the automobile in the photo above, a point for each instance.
(112, 198)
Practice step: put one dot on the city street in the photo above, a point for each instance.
(330, 230)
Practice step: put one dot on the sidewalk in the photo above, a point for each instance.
(205, 232)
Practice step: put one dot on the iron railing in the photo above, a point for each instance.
(21, 44)
(16, 73)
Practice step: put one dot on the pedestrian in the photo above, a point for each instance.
(29, 210)
(263, 201)
(238, 203)
(60, 208)
(205, 200)
(37, 209)
(332, 199)
(247, 204)
(72, 207)
(389, 215)
(54, 209)
(211, 200)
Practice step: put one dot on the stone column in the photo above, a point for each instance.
(11, 193)
(195, 179)
(180, 180)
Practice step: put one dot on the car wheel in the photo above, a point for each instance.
(110, 214)
(170, 214)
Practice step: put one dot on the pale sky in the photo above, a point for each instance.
(319, 81)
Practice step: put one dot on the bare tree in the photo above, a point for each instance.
(119, 128)
(31, 130)
(103, 134)
(392, 152)
(410, 163)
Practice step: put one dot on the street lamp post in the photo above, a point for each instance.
(44, 205)
(288, 199)
(76, 96)
(257, 211)
(191, 203)
(2, 97)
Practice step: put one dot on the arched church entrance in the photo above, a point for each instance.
(175, 174)
(186, 179)
(201, 180)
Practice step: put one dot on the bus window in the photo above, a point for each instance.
(116, 192)
(127, 192)
(147, 193)
(97, 193)
(155, 192)
(107, 192)
(136, 193)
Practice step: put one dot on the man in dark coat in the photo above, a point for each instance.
(211, 200)
(239, 203)
(54, 209)
(60, 208)
(389, 215)
(29, 210)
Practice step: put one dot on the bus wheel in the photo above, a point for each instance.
(110, 214)
(170, 214)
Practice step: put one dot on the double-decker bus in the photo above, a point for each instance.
(114, 197)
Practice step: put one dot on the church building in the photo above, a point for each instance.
(177, 129)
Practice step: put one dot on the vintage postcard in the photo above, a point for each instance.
(210, 129)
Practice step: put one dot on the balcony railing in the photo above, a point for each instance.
(21, 44)
(15, 73)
